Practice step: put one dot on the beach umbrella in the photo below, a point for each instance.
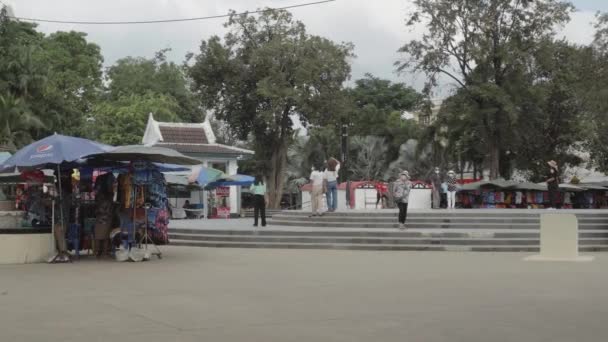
(52, 151)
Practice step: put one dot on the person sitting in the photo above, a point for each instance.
(189, 214)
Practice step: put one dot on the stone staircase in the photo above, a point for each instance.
(460, 230)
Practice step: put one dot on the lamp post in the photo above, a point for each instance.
(344, 138)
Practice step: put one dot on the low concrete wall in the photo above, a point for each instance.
(20, 248)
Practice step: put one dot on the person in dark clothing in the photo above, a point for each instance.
(258, 189)
(401, 194)
(435, 181)
(553, 183)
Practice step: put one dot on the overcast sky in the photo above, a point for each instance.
(375, 27)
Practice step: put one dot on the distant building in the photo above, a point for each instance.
(197, 140)
(424, 116)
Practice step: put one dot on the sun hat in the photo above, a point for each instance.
(552, 163)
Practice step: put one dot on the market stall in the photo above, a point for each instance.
(510, 195)
(142, 202)
(58, 153)
(220, 190)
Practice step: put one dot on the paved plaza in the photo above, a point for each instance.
(199, 294)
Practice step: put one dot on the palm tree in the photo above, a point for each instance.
(16, 122)
(370, 159)
(29, 74)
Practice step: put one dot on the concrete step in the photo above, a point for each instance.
(410, 225)
(535, 220)
(371, 247)
(359, 240)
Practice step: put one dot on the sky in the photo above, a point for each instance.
(377, 28)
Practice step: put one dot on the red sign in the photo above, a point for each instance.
(223, 191)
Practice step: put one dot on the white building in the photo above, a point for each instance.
(197, 140)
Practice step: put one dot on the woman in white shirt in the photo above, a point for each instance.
(331, 175)
(317, 180)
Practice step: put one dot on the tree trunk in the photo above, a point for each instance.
(276, 178)
(494, 159)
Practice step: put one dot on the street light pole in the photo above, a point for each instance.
(345, 161)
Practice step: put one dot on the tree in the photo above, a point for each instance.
(266, 73)
(485, 48)
(139, 76)
(379, 109)
(73, 81)
(594, 92)
(122, 122)
(58, 77)
(555, 109)
(16, 122)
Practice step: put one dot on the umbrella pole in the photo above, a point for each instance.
(53, 227)
(61, 202)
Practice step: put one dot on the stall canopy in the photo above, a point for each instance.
(176, 179)
(151, 154)
(51, 151)
(529, 186)
(205, 175)
(496, 183)
(234, 180)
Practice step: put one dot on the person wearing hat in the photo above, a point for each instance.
(452, 187)
(553, 183)
(401, 194)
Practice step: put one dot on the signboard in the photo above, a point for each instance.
(223, 191)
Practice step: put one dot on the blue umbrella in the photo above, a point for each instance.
(239, 180)
(51, 152)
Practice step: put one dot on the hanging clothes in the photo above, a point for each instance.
(518, 197)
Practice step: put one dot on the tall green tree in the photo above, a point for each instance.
(73, 81)
(595, 92)
(484, 47)
(379, 108)
(138, 76)
(267, 72)
(123, 121)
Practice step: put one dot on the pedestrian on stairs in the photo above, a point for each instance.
(319, 187)
(401, 194)
(452, 188)
(331, 176)
(258, 189)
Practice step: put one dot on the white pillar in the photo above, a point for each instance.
(206, 196)
(234, 190)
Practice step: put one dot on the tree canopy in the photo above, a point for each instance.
(486, 48)
(266, 73)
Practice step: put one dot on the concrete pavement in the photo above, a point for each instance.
(199, 294)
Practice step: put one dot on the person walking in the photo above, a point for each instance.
(452, 187)
(436, 186)
(331, 176)
(401, 194)
(553, 183)
(318, 182)
(258, 189)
